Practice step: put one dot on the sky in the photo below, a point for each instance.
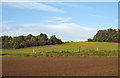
(69, 21)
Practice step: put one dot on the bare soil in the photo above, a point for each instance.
(60, 66)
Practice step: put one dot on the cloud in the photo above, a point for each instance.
(64, 31)
(12, 29)
(59, 19)
(33, 5)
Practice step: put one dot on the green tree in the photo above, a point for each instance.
(90, 40)
(54, 40)
(42, 39)
(16, 42)
(5, 41)
(27, 41)
(109, 35)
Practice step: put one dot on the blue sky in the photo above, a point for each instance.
(70, 21)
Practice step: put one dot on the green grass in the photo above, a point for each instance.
(67, 49)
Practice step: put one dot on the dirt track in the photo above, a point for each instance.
(60, 66)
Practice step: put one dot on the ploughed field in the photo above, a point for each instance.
(60, 66)
(84, 49)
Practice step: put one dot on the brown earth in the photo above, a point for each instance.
(60, 66)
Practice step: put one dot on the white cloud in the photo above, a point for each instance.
(33, 5)
(64, 31)
(59, 19)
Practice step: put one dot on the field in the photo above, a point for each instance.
(68, 59)
(60, 66)
(67, 49)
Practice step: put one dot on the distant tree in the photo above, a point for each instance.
(50, 41)
(54, 40)
(35, 43)
(90, 40)
(30, 35)
(42, 39)
(34, 38)
(16, 42)
(42, 36)
(5, 41)
(28, 41)
(118, 35)
(109, 35)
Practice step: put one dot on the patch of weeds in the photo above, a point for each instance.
(26, 55)
(47, 55)
(40, 54)
(34, 56)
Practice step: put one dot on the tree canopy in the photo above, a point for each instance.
(28, 41)
(109, 35)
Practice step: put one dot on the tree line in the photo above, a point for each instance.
(28, 41)
(107, 35)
